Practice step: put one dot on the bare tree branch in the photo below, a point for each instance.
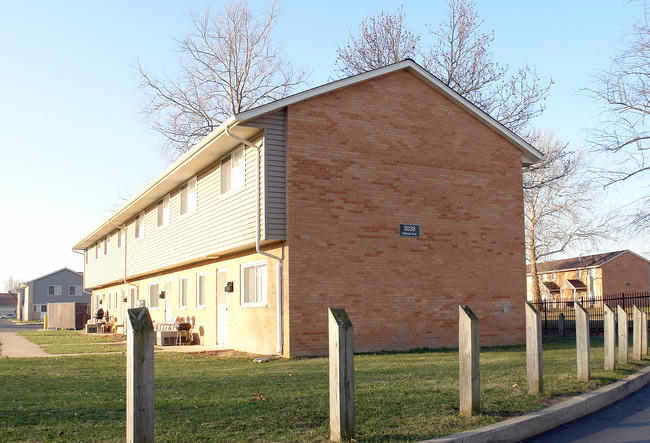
(229, 64)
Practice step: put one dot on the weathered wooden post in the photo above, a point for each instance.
(637, 337)
(560, 325)
(534, 350)
(139, 376)
(644, 333)
(468, 352)
(582, 342)
(622, 335)
(610, 338)
(341, 360)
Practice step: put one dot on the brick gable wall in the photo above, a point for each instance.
(625, 273)
(360, 161)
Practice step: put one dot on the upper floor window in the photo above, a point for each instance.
(254, 284)
(74, 290)
(107, 244)
(119, 238)
(188, 196)
(163, 211)
(97, 251)
(54, 290)
(139, 225)
(232, 171)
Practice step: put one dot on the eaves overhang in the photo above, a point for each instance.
(214, 146)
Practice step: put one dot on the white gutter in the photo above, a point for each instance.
(278, 276)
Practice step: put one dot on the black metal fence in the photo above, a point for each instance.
(550, 312)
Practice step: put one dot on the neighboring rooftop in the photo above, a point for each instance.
(7, 299)
(586, 261)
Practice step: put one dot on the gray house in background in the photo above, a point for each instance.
(62, 286)
(7, 303)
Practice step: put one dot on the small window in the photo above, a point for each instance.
(182, 292)
(43, 308)
(54, 290)
(97, 251)
(139, 225)
(200, 290)
(74, 290)
(163, 211)
(154, 290)
(115, 300)
(188, 196)
(119, 238)
(254, 284)
(134, 297)
(578, 273)
(107, 244)
(232, 171)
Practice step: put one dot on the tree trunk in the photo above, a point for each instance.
(536, 296)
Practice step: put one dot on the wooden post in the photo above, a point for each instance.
(582, 342)
(341, 360)
(534, 350)
(468, 351)
(560, 325)
(139, 376)
(610, 338)
(622, 335)
(644, 333)
(637, 337)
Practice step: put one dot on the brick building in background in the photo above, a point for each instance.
(386, 194)
(591, 277)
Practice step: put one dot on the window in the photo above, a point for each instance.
(107, 244)
(110, 305)
(182, 292)
(87, 255)
(119, 238)
(134, 297)
(97, 251)
(115, 300)
(74, 290)
(139, 225)
(163, 211)
(188, 196)
(43, 308)
(123, 297)
(254, 284)
(54, 290)
(578, 273)
(232, 171)
(154, 290)
(200, 290)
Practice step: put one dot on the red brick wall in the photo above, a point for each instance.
(392, 150)
(625, 273)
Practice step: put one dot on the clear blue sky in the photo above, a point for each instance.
(72, 142)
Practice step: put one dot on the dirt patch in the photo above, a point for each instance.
(227, 353)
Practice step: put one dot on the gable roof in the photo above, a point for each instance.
(218, 143)
(587, 261)
(7, 299)
(52, 273)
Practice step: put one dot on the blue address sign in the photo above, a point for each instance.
(409, 230)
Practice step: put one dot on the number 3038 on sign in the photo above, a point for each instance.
(408, 230)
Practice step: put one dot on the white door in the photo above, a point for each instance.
(222, 307)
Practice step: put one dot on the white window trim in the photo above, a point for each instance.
(166, 211)
(138, 233)
(192, 198)
(239, 186)
(200, 274)
(242, 281)
(149, 301)
(183, 278)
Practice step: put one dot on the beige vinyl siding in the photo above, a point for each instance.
(220, 222)
(274, 218)
(106, 268)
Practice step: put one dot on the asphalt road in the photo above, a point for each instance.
(7, 325)
(627, 420)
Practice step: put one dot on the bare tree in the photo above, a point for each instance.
(383, 39)
(460, 56)
(559, 204)
(623, 133)
(13, 284)
(227, 65)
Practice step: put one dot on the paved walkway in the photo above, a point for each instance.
(16, 346)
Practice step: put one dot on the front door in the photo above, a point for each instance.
(222, 307)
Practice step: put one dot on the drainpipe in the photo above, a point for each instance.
(279, 315)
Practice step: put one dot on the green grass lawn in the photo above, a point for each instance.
(399, 396)
(75, 342)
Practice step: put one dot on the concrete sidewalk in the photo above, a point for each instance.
(16, 346)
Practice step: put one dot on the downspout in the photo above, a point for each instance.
(278, 303)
